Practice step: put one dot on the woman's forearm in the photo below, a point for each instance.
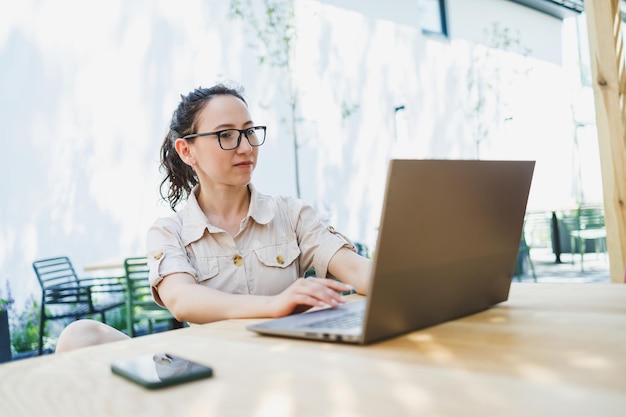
(352, 269)
(193, 303)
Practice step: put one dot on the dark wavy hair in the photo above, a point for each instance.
(180, 178)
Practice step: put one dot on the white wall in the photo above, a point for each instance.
(88, 90)
(381, 65)
(540, 33)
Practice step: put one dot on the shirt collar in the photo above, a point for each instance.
(262, 208)
(194, 222)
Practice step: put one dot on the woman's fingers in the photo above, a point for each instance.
(321, 291)
(305, 293)
(330, 283)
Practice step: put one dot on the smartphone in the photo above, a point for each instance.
(160, 370)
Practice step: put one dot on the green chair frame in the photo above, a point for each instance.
(140, 305)
(586, 225)
(591, 228)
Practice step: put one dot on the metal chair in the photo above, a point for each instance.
(140, 305)
(65, 295)
(587, 225)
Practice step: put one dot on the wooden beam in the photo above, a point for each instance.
(609, 84)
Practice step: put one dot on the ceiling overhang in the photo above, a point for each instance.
(556, 8)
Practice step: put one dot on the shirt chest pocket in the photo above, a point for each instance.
(282, 255)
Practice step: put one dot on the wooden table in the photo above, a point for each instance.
(551, 350)
(105, 265)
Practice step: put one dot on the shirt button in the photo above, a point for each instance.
(280, 259)
(157, 255)
(238, 260)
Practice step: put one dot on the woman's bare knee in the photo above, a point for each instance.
(83, 333)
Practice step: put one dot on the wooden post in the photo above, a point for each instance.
(609, 82)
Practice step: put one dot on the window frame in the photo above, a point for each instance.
(443, 20)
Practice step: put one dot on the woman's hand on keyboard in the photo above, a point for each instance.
(306, 293)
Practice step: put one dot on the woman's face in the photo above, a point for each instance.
(213, 165)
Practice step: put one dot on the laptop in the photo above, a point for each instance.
(447, 246)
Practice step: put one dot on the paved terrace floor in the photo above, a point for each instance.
(595, 268)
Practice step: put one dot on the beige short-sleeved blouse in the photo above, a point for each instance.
(279, 240)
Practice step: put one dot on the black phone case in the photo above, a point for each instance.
(154, 371)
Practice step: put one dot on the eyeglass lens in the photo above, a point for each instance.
(230, 139)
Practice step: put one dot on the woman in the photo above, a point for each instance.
(232, 252)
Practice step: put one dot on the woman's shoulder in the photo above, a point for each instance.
(173, 222)
(181, 226)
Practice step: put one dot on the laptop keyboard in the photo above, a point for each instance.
(345, 321)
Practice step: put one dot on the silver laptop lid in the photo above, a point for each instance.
(447, 243)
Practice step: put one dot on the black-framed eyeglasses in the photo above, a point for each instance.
(231, 138)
